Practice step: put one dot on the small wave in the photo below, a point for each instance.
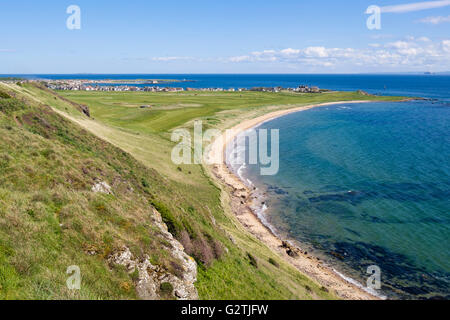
(239, 171)
(359, 285)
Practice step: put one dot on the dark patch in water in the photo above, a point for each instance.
(374, 219)
(277, 190)
(394, 191)
(434, 220)
(334, 208)
(319, 237)
(398, 273)
(353, 232)
(301, 206)
(332, 188)
(353, 197)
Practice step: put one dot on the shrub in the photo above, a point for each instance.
(203, 253)
(324, 289)
(8, 106)
(145, 183)
(185, 240)
(273, 262)
(166, 289)
(173, 225)
(4, 95)
(135, 275)
(218, 248)
(252, 259)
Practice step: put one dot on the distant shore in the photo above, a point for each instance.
(239, 191)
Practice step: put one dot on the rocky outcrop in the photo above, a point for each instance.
(85, 109)
(291, 250)
(150, 277)
(102, 187)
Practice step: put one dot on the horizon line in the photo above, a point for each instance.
(226, 73)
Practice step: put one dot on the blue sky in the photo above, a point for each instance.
(199, 36)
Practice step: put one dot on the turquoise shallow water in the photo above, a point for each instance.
(368, 184)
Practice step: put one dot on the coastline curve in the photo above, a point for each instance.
(237, 189)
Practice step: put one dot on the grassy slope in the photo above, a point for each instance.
(193, 202)
(49, 217)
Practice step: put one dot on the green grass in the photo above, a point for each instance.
(195, 209)
(170, 110)
(50, 219)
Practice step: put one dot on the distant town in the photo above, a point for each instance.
(147, 86)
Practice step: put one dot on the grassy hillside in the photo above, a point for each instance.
(49, 217)
(51, 165)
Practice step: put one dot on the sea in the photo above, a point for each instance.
(362, 186)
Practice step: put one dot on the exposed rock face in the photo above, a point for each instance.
(102, 187)
(85, 110)
(291, 251)
(151, 277)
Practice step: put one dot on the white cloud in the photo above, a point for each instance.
(446, 46)
(423, 39)
(417, 6)
(320, 52)
(398, 45)
(435, 20)
(290, 51)
(410, 54)
(167, 59)
(240, 59)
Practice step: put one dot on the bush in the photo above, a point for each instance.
(145, 183)
(273, 262)
(173, 225)
(252, 259)
(218, 248)
(9, 105)
(203, 253)
(166, 289)
(4, 95)
(135, 275)
(185, 240)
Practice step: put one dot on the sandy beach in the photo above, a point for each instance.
(242, 201)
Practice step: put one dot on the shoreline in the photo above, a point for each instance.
(243, 207)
